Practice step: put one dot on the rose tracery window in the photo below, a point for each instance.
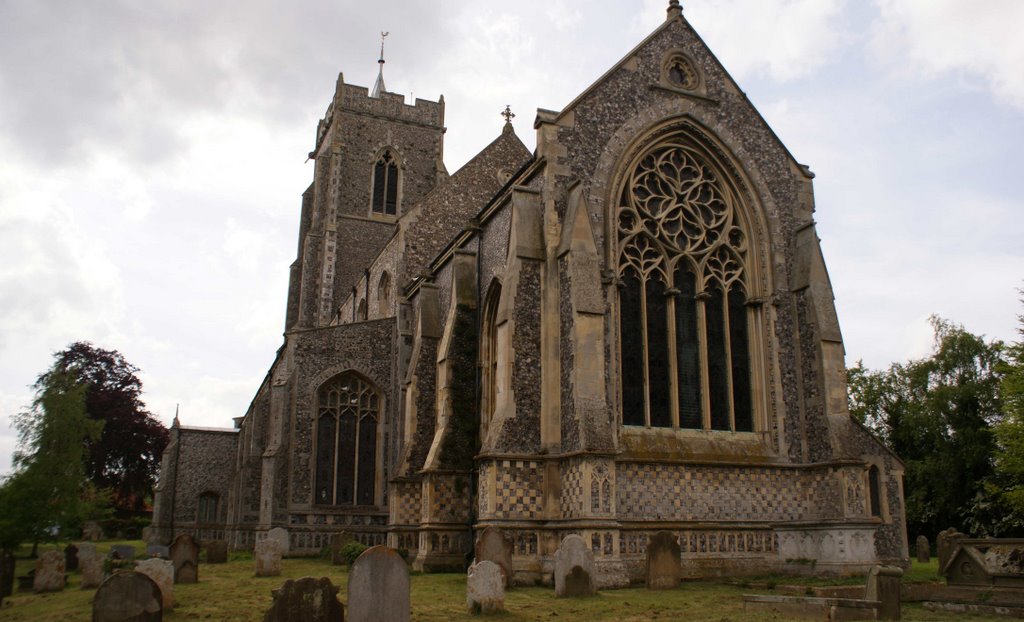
(346, 441)
(682, 266)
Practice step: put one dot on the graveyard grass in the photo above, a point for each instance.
(231, 593)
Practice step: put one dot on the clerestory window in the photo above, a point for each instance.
(348, 410)
(384, 196)
(683, 314)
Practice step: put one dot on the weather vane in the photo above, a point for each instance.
(382, 35)
(508, 114)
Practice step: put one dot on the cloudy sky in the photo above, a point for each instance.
(152, 157)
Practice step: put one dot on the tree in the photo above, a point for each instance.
(125, 459)
(1010, 431)
(937, 414)
(49, 492)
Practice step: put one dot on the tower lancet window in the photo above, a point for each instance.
(384, 196)
(683, 313)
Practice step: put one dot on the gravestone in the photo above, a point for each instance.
(71, 558)
(946, 543)
(664, 568)
(158, 550)
(6, 574)
(280, 535)
(149, 535)
(884, 586)
(49, 573)
(185, 556)
(267, 555)
(305, 600)
(338, 542)
(91, 565)
(161, 571)
(378, 587)
(127, 596)
(124, 551)
(216, 552)
(493, 546)
(574, 568)
(92, 531)
(485, 588)
(924, 553)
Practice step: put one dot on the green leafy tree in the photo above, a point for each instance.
(1010, 431)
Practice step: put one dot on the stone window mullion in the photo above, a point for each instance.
(705, 396)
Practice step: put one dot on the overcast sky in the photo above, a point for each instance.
(152, 157)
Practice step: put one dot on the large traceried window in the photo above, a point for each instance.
(346, 441)
(684, 282)
(384, 196)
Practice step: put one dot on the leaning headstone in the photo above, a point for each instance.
(924, 553)
(161, 571)
(884, 586)
(493, 546)
(6, 574)
(574, 568)
(216, 552)
(49, 576)
(71, 558)
(338, 542)
(267, 555)
(127, 596)
(280, 535)
(185, 555)
(124, 551)
(378, 587)
(92, 531)
(485, 588)
(305, 600)
(664, 568)
(158, 550)
(91, 565)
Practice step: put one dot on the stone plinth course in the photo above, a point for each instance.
(485, 588)
(90, 563)
(306, 600)
(267, 555)
(161, 571)
(49, 572)
(924, 554)
(378, 587)
(664, 568)
(185, 556)
(574, 568)
(280, 535)
(127, 596)
(493, 546)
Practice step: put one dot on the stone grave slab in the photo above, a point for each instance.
(924, 554)
(493, 546)
(884, 586)
(216, 552)
(280, 535)
(92, 531)
(574, 568)
(378, 587)
(91, 565)
(127, 596)
(158, 550)
(161, 571)
(485, 588)
(49, 572)
(185, 556)
(664, 568)
(267, 555)
(306, 600)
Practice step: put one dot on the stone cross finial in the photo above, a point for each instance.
(508, 114)
(674, 9)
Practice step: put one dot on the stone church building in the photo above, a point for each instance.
(630, 329)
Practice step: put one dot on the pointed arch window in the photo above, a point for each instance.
(489, 356)
(384, 196)
(684, 321)
(348, 412)
(384, 294)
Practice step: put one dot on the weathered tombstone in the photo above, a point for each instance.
(946, 543)
(216, 552)
(378, 587)
(664, 568)
(124, 551)
(92, 531)
(267, 555)
(185, 555)
(49, 576)
(884, 586)
(485, 588)
(161, 571)
(924, 553)
(338, 542)
(6, 574)
(91, 565)
(127, 596)
(574, 568)
(71, 558)
(280, 535)
(305, 600)
(158, 550)
(493, 546)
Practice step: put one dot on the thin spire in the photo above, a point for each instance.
(175, 423)
(379, 88)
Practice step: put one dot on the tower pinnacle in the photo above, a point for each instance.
(674, 9)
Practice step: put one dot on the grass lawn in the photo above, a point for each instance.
(230, 592)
